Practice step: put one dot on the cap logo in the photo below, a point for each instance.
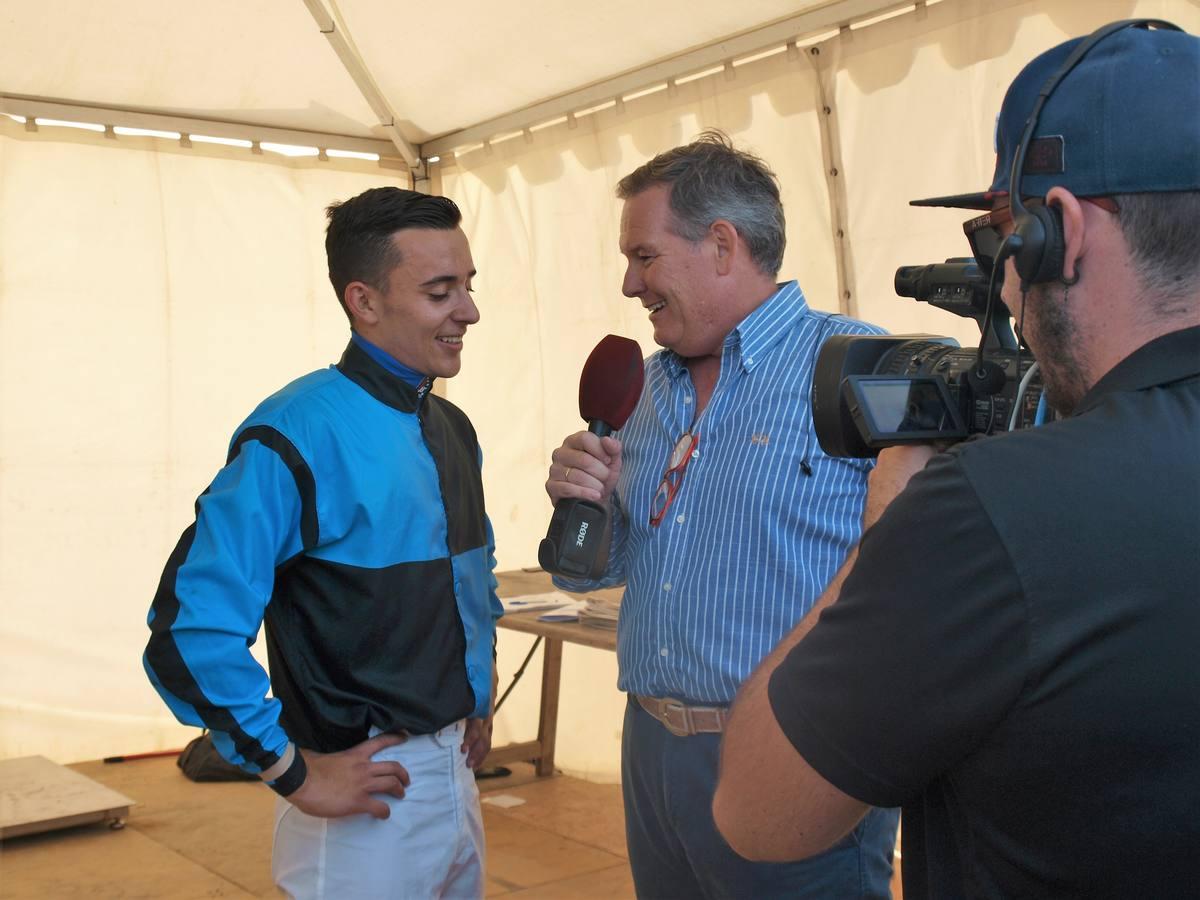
(1045, 156)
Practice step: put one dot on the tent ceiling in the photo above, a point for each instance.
(497, 57)
(260, 62)
(439, 70)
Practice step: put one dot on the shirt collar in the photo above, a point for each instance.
(1172, 357)
(751, 338)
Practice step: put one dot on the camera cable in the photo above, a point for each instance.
(1027, 378)
(1039, 417)
(1021, 389)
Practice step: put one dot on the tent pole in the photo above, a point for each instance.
(339, 38)
(823, 58)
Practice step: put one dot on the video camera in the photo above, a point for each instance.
(876, 391)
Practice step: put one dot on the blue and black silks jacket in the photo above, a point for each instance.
(350, 515)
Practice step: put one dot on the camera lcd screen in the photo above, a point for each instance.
(891, 410)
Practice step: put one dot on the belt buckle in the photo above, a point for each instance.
(669, 707)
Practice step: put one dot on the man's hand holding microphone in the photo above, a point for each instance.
(585, 469)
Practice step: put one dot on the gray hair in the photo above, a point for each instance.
(710, 180)
(1160, 230)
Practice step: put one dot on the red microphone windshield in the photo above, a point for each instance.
(611, 382)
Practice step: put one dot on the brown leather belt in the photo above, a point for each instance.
(683, 720)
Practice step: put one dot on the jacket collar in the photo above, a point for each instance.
(386, 387)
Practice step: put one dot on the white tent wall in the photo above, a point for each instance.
(151, 295)
(912, 106)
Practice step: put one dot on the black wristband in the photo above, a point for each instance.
(291, 780)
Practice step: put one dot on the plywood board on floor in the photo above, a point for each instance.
(38, 795)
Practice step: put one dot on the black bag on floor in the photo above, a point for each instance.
(200, 761)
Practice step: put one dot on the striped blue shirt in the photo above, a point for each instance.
(751, 539)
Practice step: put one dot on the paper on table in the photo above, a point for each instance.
(568, 613)
(552, 600)
(600, 613)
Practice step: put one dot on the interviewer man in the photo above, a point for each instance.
(728, 520)
(1012, 655)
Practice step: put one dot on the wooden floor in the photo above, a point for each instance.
(186, 840)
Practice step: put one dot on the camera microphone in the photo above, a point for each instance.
(987, 379)
(576, 543)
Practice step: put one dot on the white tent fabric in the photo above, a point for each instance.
(266, 62)
(150, 294)
(148, 300)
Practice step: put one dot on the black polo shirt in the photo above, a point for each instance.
(1015, 657)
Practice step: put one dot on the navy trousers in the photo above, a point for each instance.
(675, 850)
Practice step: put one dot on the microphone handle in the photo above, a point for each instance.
(600, 428)
(577, 542)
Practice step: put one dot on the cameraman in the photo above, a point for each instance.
(1012, 653)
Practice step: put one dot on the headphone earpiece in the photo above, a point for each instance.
(1040, 257)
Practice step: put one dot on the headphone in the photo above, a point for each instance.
(1037, 244)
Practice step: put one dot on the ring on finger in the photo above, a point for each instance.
(567, 474)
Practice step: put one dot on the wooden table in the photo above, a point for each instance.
(540, 752)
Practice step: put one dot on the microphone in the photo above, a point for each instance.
(576, 543)
(986, 378)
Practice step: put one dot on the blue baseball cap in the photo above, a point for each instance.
(1125, 120)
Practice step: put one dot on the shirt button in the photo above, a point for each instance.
(749, 360)
(664, 652)
(667, 586)
(687, 401)
(696, 453)
(680, 518)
